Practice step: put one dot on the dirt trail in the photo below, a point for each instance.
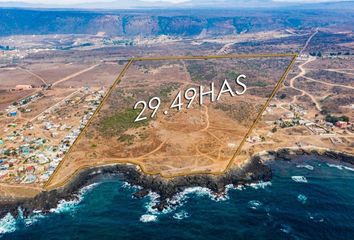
(224, 49)
(308, 41)
(55, 105)
(74, 75)
(340, 71)
(34, 74)
(301, 74)
(329, 84)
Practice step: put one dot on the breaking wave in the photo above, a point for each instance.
(129, 186)
(181, 215)
(258, 185)
(8, 223)
(148, 218)
(340, 167)
(70, 205)
(299, 179)
(307, 166)
(255, 204)
(181, 198)
(302, 198)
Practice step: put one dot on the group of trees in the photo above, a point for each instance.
(334, 119)
(318, 54)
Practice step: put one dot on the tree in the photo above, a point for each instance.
(334, 119)
(344, 118)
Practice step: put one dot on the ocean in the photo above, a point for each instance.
(309, 199)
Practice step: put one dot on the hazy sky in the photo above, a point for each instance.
(84, 1)
(171, 1)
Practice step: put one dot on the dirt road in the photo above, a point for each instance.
(301, 74)
(34, 74)
(55, 105)
(74, 75)
(308, 41)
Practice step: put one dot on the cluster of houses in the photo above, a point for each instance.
(12, 111)
(26, 158)
(318, 126)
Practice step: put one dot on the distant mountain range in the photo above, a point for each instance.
(173, 22)
(128, 4)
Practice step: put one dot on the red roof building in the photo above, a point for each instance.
(341, 124)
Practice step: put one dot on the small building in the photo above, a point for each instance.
(54, 134)
(25, 149)
(42, 159)
(30, 178)
(12, 114)
(30, 169)
(23, 87)
(341, 124)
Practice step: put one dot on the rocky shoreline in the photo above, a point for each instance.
(256, 170)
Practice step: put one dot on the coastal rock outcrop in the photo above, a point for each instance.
(254, 171)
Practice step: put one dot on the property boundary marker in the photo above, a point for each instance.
(47, 185)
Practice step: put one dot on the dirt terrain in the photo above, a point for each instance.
(201, 139)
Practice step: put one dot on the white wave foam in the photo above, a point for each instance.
(127, 185)
(258, 185)
(307, 166)
(66, 206)
(340, 167)
(317, 218)
(302, 198)
(198, 191)
(299, 179)
(148, 218)
(348, 168)
(70, 205)
(33, 219)
(153, 200)
(201, 192)
(181, 215)
(255, 204)
(240, 187)
(181, 198)
(285, 228)
(7, 224)
(88, 188)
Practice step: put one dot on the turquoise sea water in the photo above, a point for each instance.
(305, 200)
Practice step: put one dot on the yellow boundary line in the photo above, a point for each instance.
(261, 55)
(91, 118)
(142, 167)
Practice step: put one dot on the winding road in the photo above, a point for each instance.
(302, 74)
